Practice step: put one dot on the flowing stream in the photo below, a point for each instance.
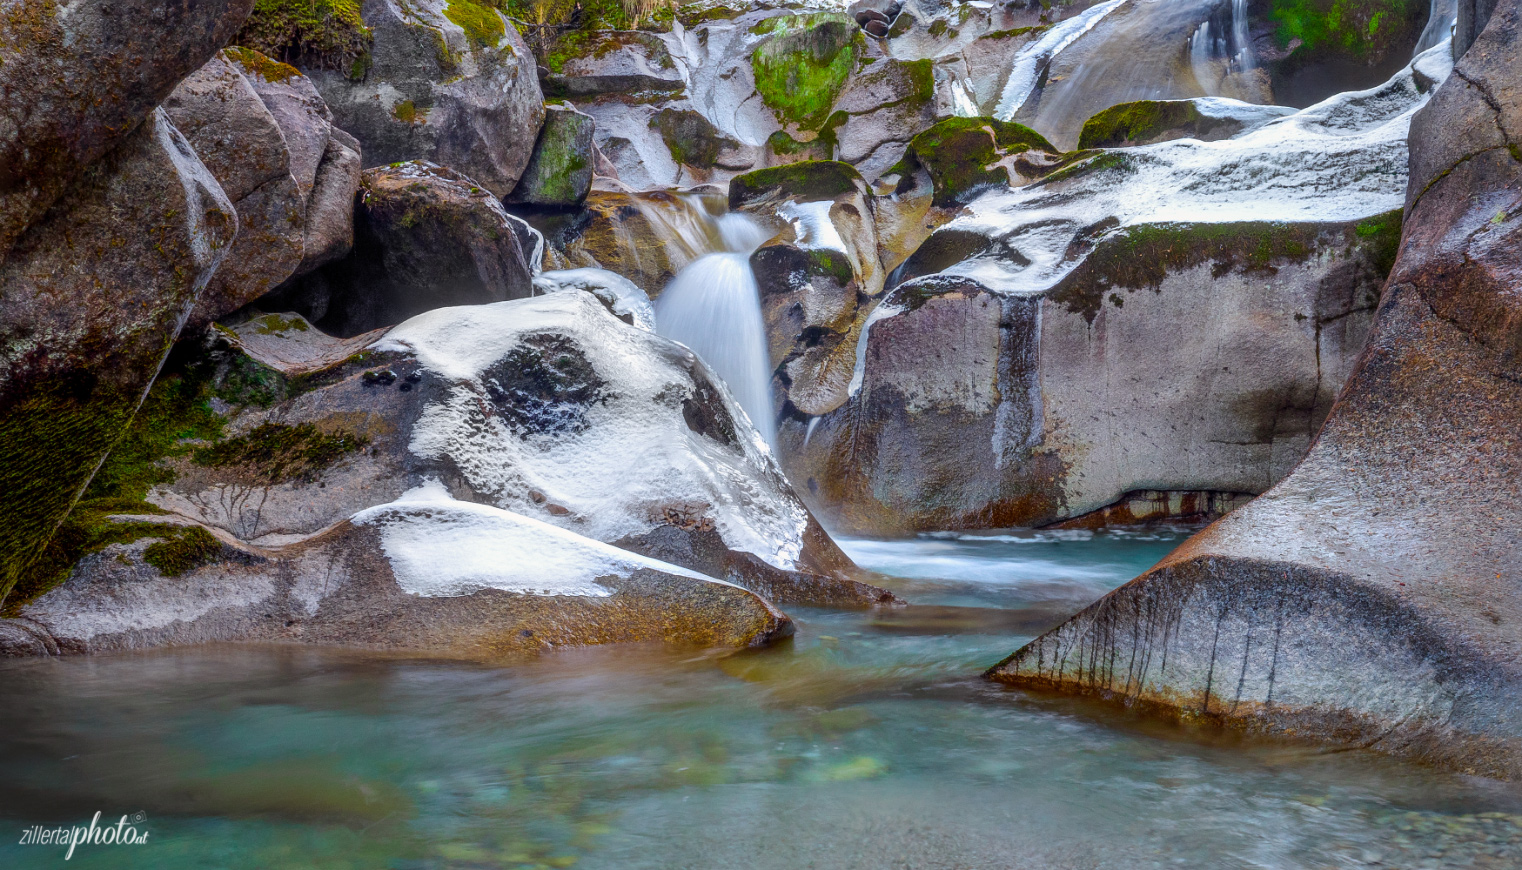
(868, 741)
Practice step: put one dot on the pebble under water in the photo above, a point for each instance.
(868, 741)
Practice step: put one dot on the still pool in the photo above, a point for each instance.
(868, 741)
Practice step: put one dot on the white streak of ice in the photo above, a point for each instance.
(440, 547)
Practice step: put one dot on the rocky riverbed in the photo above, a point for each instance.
(484, 330)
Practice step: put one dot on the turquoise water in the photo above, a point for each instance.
(866, 742)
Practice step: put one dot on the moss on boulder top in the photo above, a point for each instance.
(808, 180)
(321, 34)
(961, 154)
(1137, 123)
(802, 67)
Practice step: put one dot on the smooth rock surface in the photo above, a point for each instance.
(1373, 596)
(91, 297)
(79, 78)
(434, 92)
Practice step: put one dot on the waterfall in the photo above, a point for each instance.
(1439, 27)
(1201, 50)
(1244, 60)
(714, 307)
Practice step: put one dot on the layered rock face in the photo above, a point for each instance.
(451, 84)
(1373, 595)
(269, 139)
(1052, 347)
(110, 227)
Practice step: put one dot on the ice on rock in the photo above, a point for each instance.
(620, 451)
(625, 297)
(1339, 160)
(812, 225)
(440, 547)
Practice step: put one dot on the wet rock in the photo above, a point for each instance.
(545, 407)
(360, 584)
(1147, 121)
(1370, 597)
(962, 405)
(646, 237)
(465, 98)
(425, 237)
(560, 171)
(881, 109)
(91, 297)
(1314, 51)
(965, 156)
(78, 81)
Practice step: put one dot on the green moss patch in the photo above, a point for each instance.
(274, 453)
(802, 68)
(260, 65)
(809, 180)
(1142, 257)
(690, 137)
(1355, 29)
(960, 154)
(482, 25)
(326, 34)
(1137, 123)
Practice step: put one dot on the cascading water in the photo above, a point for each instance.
(714, 307)
(1439, 24)
(1222, 58)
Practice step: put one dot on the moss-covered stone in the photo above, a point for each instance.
(1358, 29)
(183, 552)
(274, 453)
(1136, 123)
(560, 171)
(780, 144)
(326, 34)
(809, 180)
(692, 139)
(256, 63)
(803, 66)
(1142, 257)
(482, 24)
(960, 154)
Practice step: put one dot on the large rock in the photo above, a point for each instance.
(425, 237)
(1373, 596)
(553, 408)
(78, 79)
(451, 83)
(1056, 346)
(393, 577)
(265, 133)
(647, 237)
(560, 171)
(220, 114)
(91, 297)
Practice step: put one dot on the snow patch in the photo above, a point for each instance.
(626, 298)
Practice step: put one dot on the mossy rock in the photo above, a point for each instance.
(560, 171)
(1143, 256)
(1139, 123)
(810, 180)
(692, 139)
(1322, 47)
(790, 150)
(960, 154)
(482, 24)
(321, 34)
(802, 67)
